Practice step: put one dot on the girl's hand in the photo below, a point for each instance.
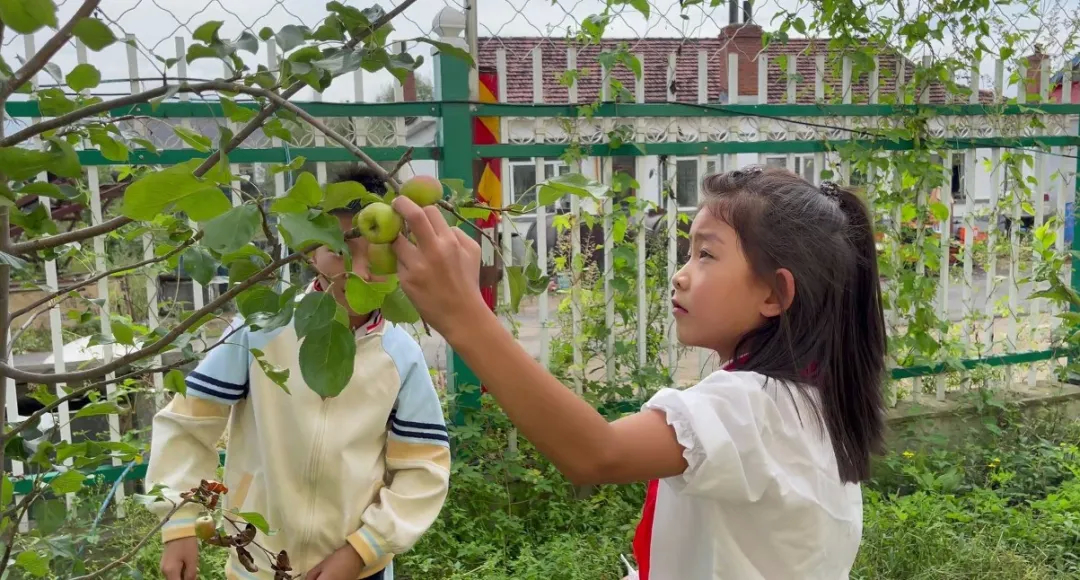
(441, 272)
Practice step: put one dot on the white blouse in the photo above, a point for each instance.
(761, 498)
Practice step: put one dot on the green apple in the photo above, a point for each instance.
(378, 223)
(382, 261)
(205, 528)
(422, 189)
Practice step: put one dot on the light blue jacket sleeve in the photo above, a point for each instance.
(222, 376)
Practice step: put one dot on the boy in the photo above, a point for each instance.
(344, 483)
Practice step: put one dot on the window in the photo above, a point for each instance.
(804, 165)
(523, 177)
(958, 178)
(686, 180)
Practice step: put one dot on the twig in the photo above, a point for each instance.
(22, 508)
(453, 210)
(123, 559)
(159, 345)
(275, 245)
(405, 158)
(48, 50)
(69, 237)
(118, 270)
(18, 334)
(79, 392)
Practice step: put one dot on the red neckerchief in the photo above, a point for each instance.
(643, 534)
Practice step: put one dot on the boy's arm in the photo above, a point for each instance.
(417, 461)
(185, 433)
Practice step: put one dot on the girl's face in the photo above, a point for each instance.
(717, 298)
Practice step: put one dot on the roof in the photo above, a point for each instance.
(655, 53)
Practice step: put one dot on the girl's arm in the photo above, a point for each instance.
(565, 428)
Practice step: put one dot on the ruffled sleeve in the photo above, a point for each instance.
(739, 438)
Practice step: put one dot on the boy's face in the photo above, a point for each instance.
(333, 271)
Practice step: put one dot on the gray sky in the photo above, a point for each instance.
(156, 22)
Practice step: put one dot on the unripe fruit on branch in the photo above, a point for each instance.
(378, 223)
(382, 261)
(205, 528)
(423, 190)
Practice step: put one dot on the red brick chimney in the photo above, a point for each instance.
(1033, 81)
(744, 39)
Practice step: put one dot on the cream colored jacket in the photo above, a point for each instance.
(369, 467)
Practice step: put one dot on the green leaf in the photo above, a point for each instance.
(316, 310)
(327, 356)
(235, 112)
(364, 297)
(123, 333)
(258, 299)
(570, 184)
(44, 189)
(199, 51)
(94, 34)
(174, 382)
(19, 164)
(279, 375)
(342, 193)
(199, 264)
(248, 41)
(200, 143)
(7, 491)
(151, 194)
(49, 515)
(257, 520)
(28, 16)
(284, 314)
(290, 36)
(35, 563)
(301, 229)
(110, 148)
(641, 6)
(63, 160)
(67, 482)
(83, 76)
(232, 230)
(207, 33)
(516, 276)
(205, 204)
(397, 308)
(939, 210)
(97, 409)
(306, 191)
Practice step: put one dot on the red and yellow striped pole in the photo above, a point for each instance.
(488, 184)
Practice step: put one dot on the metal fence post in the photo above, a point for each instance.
(455, 142)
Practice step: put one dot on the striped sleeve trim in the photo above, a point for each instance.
(369, 544)
(416, 430)
(178, 528)
(214, 389)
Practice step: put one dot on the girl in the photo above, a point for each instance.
(754, 472)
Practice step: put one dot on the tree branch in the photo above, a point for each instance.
(271, 108)
(236, 141)
(95, 109)
(79, 392)
(22, 329)
(48, 50)
(123, 559)
(159, 345)
(119, 269)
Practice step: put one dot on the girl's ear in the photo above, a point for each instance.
(782, 295)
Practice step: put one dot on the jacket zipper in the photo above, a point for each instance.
(313, 478)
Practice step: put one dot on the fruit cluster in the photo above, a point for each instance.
(380, 224)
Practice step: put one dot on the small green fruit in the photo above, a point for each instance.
(423, 190)
(205, 528)
(378, 223)
(382, 261)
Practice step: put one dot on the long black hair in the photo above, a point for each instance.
(832, 336)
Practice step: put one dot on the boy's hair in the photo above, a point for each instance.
(365, 176)
(832, 336)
